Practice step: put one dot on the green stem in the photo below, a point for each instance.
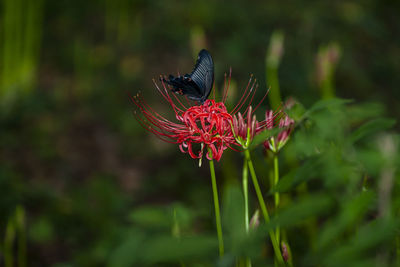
(398, 250)
(216, 206)
(20, 225)
(398, 247)
(276, 195)
(9, 243)
(263, 207)
(273, 83)
(245, 184)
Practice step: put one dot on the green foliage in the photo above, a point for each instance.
(20, 47)
(330, 218)
(371, 127)
(96, 189)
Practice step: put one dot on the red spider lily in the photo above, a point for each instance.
(276, 143)
(245, 130)
(208, 124)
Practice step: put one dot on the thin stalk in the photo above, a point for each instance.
(176, 232)
(272, 61)
(276, 194)
(273, 82)
(245, 184)
(216, 206)
(264, 210)
(20, 227)
(9, 243)
(398, 249)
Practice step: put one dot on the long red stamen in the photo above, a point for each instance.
(262, 100)
(251, 100)
(225, 95)
(234, 110)
(247, 95)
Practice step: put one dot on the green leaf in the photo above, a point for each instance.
(233, 217)
(263, 136)
(372, 236)
(303, 209)
(152, 217)
(301, 174)
(372, 127)
(182, 216)
(352, 210)
(129, 251)
(296, 112)
(364, 111)
(41, 230)
(327, 103)
(167, 248)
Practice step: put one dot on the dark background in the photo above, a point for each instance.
(72, 156)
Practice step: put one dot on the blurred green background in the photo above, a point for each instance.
(82, 184)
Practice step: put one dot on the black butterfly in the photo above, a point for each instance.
(198, 84)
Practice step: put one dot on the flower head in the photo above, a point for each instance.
(202, 126)
(286, 123)
(244, 130)
(208, 124)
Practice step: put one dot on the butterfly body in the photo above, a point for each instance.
(198, 84)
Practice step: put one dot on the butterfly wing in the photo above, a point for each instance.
(203, 74)
(184, 85)
(198, 84)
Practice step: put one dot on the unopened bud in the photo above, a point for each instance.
(285, 251)
(255, 220)
(275, 50)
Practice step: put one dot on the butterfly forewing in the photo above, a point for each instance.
(198, 84)
(203, 73)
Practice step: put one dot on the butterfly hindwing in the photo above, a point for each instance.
(184, 85)
(198, 84)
